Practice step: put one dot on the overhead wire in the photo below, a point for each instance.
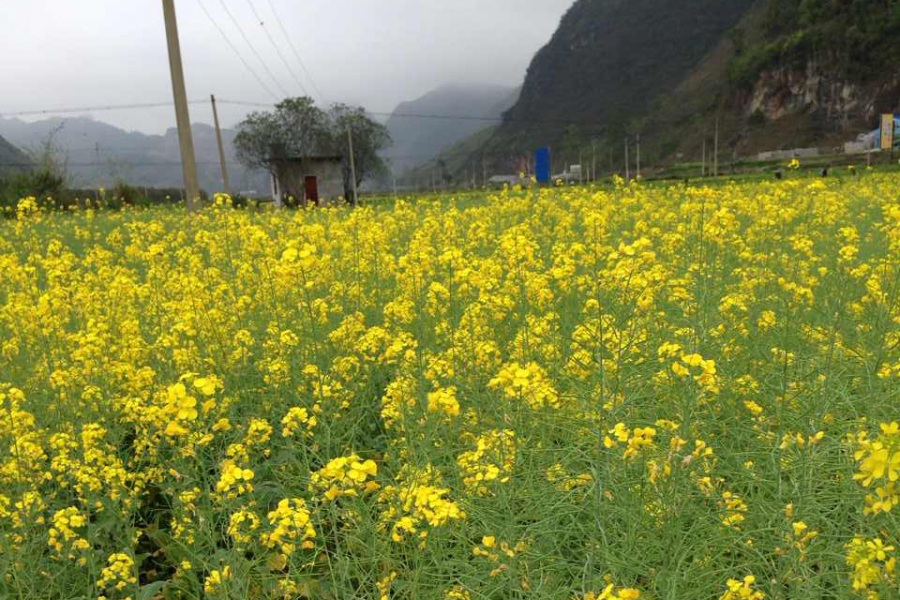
(237, 52)
(108, 107)
(284, 61)
(125, 164)
(437, 116)
(251, 104)
(296, 53)
(253, 48)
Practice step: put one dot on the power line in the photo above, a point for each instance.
(51, 111)
(237, 52)
(250, 104)
(440, 116)
(277, 49)
(253, 48)
(119, 163)
(296, 53)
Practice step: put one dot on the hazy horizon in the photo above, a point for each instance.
(103, 52)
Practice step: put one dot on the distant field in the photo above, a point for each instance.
(670, 392)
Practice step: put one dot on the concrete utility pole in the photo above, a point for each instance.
(627, 165)
(484, 170)
(185, 139)
(703, 163)
(594, 159)
(716, 150)
(352, 167)
(638, 156)
(221, 147)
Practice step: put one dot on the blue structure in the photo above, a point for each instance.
(875, 141)
(542, 165)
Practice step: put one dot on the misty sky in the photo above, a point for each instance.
(376, 53)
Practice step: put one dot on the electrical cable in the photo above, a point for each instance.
(253, 49)
(51, 111)
(296, 53)
(277, 49)
(237, 52)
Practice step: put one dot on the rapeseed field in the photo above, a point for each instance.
(656, 392)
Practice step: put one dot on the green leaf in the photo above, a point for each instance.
(150, 591)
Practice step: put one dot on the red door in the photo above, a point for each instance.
(312, 190)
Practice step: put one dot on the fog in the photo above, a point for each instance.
(90, 53)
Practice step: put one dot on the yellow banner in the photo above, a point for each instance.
(887, 132)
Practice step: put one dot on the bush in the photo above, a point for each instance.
(44, 184)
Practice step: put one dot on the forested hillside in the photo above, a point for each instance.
(774, 73)
(610, 59)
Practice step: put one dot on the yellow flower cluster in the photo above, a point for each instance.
(298, 419)
(292, 525)
(64, 536)
(119, 573)
(443, 401)
(879, 463)
(742, 589)
(635, 440)
(242, 526)
(528, 383)
(610, 592)
(873, 564)
(416, 501)
(234, 480)
(492, 460)
(215, 582)
(345, 476)
(707, 371)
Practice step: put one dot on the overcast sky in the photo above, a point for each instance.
(376, 53)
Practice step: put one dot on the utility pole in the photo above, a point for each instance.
(99, 176)
(484, 170)
(594, 159)
(638, 156)
(627, 166)
(716, 150)
(395, 185)
(221, 146)
(352, 167)
(185, 139)
(703, 163)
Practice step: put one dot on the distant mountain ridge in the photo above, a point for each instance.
(100, 154)
(419, 140)
(11, 158)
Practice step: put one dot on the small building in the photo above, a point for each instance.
(308, 179)
(506, 180)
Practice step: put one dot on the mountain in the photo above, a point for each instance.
(418, 140)
(773, 73)
(11, 158)
(609, 60)
(99, 154)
